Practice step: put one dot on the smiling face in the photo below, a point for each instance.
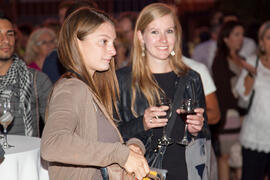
(159, 38)
(235, 39)
(7, 40)
(97, 48)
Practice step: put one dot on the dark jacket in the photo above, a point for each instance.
(52, 66)
(197, 153)
(131, 126)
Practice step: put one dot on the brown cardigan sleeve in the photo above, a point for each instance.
(70, 135)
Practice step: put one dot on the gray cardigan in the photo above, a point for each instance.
(41, 87)
(2, 153)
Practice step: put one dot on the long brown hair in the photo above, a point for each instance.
(78, 25)
(142, 77)
(223, 51)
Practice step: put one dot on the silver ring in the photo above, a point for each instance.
(151, 121)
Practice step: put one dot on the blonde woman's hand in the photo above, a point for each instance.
(151, 117)
(136, 164)
(195, 122)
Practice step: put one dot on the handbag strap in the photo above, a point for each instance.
(104, 173)
(178, 96)
(253, 91)
(37, 102)
(257, 62)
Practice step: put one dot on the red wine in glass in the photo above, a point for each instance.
(187, 108)
(185, 114)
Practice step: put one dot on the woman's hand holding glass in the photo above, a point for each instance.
(194, 122)
(151, 117)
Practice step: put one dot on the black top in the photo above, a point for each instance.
(132, 126)
(174, 159)
(222, 78)
(166, 82)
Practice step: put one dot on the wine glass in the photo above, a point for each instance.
(165, 101)
(187, 108)
(5, 119)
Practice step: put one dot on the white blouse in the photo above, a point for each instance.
(255, 132)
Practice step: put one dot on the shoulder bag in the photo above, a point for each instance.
(155, 158)
(253, 91)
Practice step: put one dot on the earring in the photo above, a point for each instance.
(143, 49)
(173, 53)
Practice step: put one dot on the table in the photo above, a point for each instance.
(23, 162)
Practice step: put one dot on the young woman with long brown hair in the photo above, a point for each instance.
(80, 136)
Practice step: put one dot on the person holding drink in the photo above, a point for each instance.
(80, 138)
(23, 89)
(158, 72)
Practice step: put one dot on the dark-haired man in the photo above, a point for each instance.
(26, 89)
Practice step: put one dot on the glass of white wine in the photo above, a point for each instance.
(6, 118)
(165, 101)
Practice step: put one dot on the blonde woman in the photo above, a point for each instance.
(254, 136)
(80, 136)
(158, 70)
(40, 43)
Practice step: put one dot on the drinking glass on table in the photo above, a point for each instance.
(165, 101)
(187, 108)
(6, 118)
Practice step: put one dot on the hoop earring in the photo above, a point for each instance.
(172, 53)
(143, 49)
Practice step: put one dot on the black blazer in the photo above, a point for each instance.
(131, 126)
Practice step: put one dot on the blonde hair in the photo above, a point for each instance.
(31, 53)
(264, 27)
(78, 25)
(142, 78)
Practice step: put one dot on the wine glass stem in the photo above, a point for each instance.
(185, 135)
(5, 144)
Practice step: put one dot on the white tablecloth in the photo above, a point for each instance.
(22, 162)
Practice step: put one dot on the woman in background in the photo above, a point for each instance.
(40, 43)
(226, 69)
(80, 136)
(255, 134)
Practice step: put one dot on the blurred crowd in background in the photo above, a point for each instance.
(226, 42)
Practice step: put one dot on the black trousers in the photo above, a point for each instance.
(255, 164)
